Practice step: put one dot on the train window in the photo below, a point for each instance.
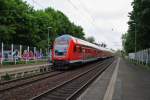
(60, 49)
(75, 48)
(90, 50)
(80, 49)
(83, 50)
(86, 50)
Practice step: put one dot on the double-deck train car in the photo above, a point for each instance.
(68, 50)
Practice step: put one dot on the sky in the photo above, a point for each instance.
(105, 20)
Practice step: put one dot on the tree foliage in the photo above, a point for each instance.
(139, 27)
(21, 24)
(90, 39)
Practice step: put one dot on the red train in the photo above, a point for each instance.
(68, 50)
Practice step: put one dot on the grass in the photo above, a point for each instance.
(143, 65)
(6, 77)
(21, 63)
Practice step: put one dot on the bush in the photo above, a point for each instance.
(7, 77)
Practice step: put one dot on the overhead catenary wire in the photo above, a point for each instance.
(87, 11)
(72, 4)
(35, 2)
(90, 19)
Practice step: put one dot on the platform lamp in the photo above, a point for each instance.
(48, 38)
(135, 37)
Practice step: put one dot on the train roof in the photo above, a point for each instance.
(81, 42)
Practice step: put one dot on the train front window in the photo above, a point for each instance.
(61, 50)
(61, 47)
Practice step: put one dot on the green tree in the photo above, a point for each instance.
(21, 24)
(90, 39)
(139, 27)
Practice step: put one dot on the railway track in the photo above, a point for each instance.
(5, 86)
(23, 78)
(31, 89)
(8, 85)
(71, 88)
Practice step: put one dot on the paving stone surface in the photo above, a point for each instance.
(133, 83)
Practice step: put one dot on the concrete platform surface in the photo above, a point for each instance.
(121, 81)
(3, 70)
(23, 71)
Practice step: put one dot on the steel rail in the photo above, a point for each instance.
(38, 97)
(31, 81)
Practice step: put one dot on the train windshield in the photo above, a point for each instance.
(61, 46)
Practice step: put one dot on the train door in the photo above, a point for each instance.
(83, 54)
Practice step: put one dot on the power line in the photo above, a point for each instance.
(35, 2)
(89, 19)
(73, 4)
(85, 10)
(77, 10)
(75, 7)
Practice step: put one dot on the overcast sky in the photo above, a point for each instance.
(106, 20)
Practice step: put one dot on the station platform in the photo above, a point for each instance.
(121, 81)
(21, 70)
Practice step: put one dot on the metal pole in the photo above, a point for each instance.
(20, 51)
(135, 33)
(12, 49)
(27, 56)
(33, 3)
(28, 52)
(41, 54)
(34, 53)
(2, 53)
(46, 53)
(135, 40)
(48, 42)
(146, 56)
(142, 57)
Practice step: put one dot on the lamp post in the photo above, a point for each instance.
(135, 33)
(48, 39)
(135, 37)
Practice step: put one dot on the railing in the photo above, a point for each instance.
(22, 54)
(141, 57)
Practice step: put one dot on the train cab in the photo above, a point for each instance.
(60, 52)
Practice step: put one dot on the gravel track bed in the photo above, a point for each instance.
(65, 90)
(26, 92)
(25, 81)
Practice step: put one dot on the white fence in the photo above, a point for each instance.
(142, 56)
(15, 53)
